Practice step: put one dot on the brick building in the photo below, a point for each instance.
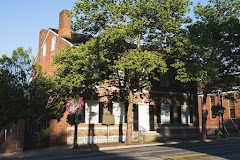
(231, 102)
(170, 110)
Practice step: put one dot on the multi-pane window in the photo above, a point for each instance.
(212, 104)
(118, 110)
(232, 108)
(185, 114)
(91, 111)
(44, 50)
(115, 108)
(165, 113)
(53, 43)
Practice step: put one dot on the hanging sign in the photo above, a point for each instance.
(73, 105)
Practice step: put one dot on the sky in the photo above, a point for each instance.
(22, 20)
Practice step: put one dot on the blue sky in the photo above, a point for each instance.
(22, 20)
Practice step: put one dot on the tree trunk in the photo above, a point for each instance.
(139, 40)
(129, 120)
(204, 117)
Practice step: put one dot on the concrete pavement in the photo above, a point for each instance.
(93, 147)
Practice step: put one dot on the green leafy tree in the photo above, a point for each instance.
(15, 76)
(40, 89)
(80, 69)
(213, 48)
(18, 91)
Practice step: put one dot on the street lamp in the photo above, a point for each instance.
(73, 107)
(75, 144)
(221, 111)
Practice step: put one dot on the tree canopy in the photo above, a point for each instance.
(213, 45)
(18, 91)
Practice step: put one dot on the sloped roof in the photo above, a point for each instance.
(76, 38)
(54, 30)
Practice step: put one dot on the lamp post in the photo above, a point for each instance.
(73, 107)
(75, 144)
(221, 112)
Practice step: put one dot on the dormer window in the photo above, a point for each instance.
(44, 50)
(53, 43)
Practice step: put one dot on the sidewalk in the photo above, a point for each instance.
(96, 147)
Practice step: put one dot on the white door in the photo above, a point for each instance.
(143, 117)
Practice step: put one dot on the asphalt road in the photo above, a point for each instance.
(224, 149)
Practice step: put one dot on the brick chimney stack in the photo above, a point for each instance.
(64, 24)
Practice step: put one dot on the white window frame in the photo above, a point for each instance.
(44, 50)
(53, 44)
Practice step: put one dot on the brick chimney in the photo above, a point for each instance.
(64, 24)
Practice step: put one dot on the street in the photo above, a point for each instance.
(217, 150)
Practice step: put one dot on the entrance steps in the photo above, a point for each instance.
(145, 136)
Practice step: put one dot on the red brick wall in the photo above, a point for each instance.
(58, 131)
(213, 123)
(45, 61)
(14, 141)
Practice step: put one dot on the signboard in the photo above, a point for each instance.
(91, 111)
(165, 113)
(108, 119)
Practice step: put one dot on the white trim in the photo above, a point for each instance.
(49, 30)
(67, 41)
